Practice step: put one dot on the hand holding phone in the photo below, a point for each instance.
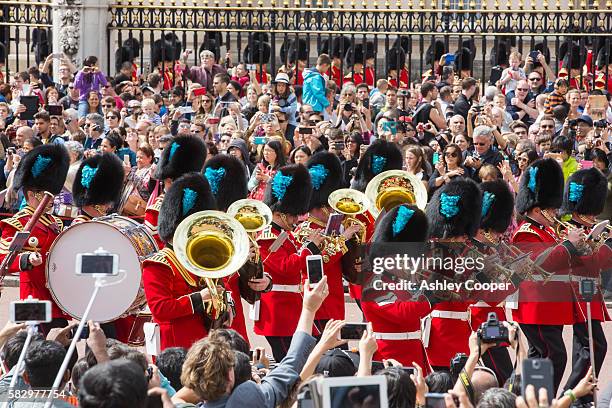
(353, 331)
(314, 268)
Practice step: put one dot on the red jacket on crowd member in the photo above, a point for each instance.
(32, 279)
(151, 220)
(280, 308)
(333, 305)
(539, 302)
(173, 295)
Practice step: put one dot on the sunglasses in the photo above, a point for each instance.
(225, 140)
(450, 154)
(107, 106)
(546, 126)
(522, 89)
(281, 121)
(479, 144)
(112, 117)
(522, 159)
(535, 79)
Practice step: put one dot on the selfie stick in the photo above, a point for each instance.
(591, 351)
(31, 329)
(100, 283)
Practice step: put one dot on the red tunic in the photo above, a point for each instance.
(333, 305)
(335, 74)
(370, 77)
(401, 316)
(173, 295)
(238, 324)
(32, 282)
(151, 220)
(539, 302)
(356, 78)
(280, 309)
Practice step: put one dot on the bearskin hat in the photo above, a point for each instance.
(99, 180)
(216, 36)
(296, 50)
(396, 59)
(326, 176)
(168, 49)
(43, 168)
(357, 54)
(123, 54)
(370, 50)
(455, 209)
(187, 195)
(340, 46)
(434, 52)
(283, 53)
(470, 44)
(212, 46)
(404, 43)
(2, 52)
(585, 192)
(185, 154)
(262, 37)
(404, 223)
(543, 48)
(289, 190)
(573, 58)
(380, 156)
(227, 178)
(500, 54)
(603, 56)
(463, 60)
(257, 53)
(497, 205)
(541, 185)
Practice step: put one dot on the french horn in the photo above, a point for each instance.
(394, 187)
(212, 245)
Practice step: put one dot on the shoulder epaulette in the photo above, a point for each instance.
(526, 227)
(266, 234)
(156, 206)
(14, 222)
(160, 257)
(59, 222)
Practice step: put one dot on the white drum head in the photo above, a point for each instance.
(72, 292)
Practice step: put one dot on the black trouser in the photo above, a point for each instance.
(546, 341)
(581, 356)
(279, 345)
(498, 360)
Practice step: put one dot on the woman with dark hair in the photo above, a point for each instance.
(51, 96)
(113, 142)
(112, 119)
(600, 161)
(350, 156)
(448, 167)
(286, 100)
(88, 79)
(93, 102)
(414, 162)
(235, 89)
(300, 155)
(562, 148)
(272, 159)
(523, 159)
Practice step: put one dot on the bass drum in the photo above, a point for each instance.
(117, 235)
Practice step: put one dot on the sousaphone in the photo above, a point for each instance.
(395, 187)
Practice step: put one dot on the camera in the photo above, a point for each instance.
(348, 107)
(457, 364)
(573, 123)
(492, 331)
(588, 289)
(281, 102)
(600, 123)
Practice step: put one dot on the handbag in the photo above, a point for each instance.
(134, 205)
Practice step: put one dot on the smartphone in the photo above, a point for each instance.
(377, 366)
(339, 146)
(185, 109)
(314, 268)
(22, 311)
(305, 131)
(539, 373)
(586, 164)
(54, 110)
(126, 159)
(534, 55)
(25, 89)
(353, 331)
(251, 67)
(366, 103)
(409, 370)
(199, 91)
(334, 223)
(436, 158)
(434, 400)
(97, 264)
(84, 332)
(260, 140)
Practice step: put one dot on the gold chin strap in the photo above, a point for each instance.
(101, 210)
(548, 217)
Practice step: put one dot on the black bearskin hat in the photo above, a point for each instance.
(227, 178)
(470, 45)
(187, 195)
(585, 192)
(404, 223)
(500, 54)
(340, 46)
(299, 51)
(132, 44)
(603, 56)
(497, 205)
(541, 186)
(463, 60)
(380, 156)
(2, 52)
(260, 53)
(403, 43)
(573, 58)
(262, 37)
(43, 168)
(123, 54)
(212, 46)
(185, 154)
(455, 209)
(326, 176)
(216, 36)
(396, 59)
(370, 50)
(289, 190)
(99, 180)
(434, 52)
(283, 53)
(356, 55)
(168, 49)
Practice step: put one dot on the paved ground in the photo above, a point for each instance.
(353, 314)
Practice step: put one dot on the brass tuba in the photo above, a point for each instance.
(254, 215)
(394, 187)
(350, 203)
(212, 245)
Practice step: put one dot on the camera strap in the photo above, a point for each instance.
(512, 379)
(467, 384)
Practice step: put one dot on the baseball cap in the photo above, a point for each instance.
(586, 119)
(336, 363)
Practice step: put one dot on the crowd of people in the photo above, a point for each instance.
(517, 166)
